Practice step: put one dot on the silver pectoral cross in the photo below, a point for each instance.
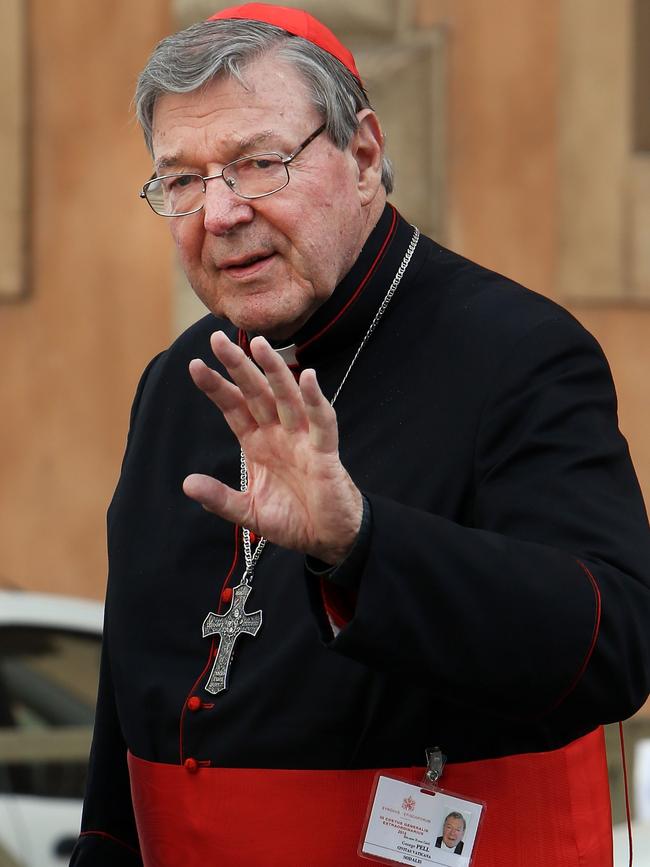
(229, 627)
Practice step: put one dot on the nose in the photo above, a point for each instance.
(224, 210)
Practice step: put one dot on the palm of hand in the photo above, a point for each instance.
(299, 495)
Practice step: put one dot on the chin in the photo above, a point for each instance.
(262, 310)
(274, 321)
(274, 327)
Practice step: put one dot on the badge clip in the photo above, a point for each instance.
(436, 761)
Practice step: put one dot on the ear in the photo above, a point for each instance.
(367, 147)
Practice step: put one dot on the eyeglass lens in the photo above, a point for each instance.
(250, 177)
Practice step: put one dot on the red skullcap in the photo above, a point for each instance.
(294, 21)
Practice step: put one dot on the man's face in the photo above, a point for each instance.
(452, 832)
(265, 264)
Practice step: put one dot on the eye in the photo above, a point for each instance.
(257, 163)
(257, 175)
(178, 182)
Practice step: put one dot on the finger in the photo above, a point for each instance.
(214, 496)
(226, 396)
(323, 426)
(288, 400)
(249, 378)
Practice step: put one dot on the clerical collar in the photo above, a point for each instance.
(343, 318)
(287, 352)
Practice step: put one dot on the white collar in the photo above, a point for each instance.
(287, 353)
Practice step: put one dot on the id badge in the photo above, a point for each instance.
(420, 824)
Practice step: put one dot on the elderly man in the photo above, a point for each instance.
(387, 508)
(453, 829)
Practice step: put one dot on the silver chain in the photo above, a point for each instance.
(382, 307)
(251, 558)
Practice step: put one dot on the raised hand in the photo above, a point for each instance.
(299, 493)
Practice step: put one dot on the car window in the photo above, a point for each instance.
(48, 686)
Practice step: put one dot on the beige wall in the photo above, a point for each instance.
(99, 300)
(501, 171)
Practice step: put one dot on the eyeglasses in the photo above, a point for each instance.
(251, 177)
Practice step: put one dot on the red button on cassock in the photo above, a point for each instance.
(191, 765)
(226, 595)
(194, 703)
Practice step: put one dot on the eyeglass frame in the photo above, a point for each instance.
(284, 160)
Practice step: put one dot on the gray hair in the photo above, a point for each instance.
(192, 58)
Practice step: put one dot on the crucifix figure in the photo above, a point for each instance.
(229, 627)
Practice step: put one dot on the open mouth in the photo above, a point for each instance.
(248, 265)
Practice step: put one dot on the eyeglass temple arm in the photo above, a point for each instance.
(302, 146)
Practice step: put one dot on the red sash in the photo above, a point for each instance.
(543, 810)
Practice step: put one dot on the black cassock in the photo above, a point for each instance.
(503, 593)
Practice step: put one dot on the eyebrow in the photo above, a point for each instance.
(251, 141)
(241, 148)
(167, 162)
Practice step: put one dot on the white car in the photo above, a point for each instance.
(49, 665)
